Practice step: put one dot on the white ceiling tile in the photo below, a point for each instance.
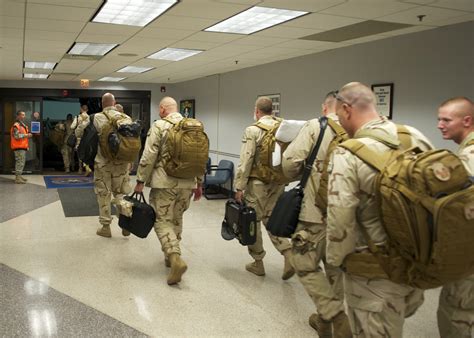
(164, 33)
(432, 15)
(286, 32)
(62, 77)
(455, 20)
(73, 66)
(179, 22)
(76, 3)
(419, 2)
(54, 25)
(207, 9)
(302, 5)
(101, 38)
(46, 45)
(408, 30)
(39, 11)
(463, 5)
(259, 41)
(52, 56)
(194, 45)
(11, 22)
(367, 9)
(321, 21)
(304, 44)
(12, 8)
(35, 34)
(11, 33)
(106, 29)
(142, 46)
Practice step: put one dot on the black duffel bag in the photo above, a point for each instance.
(284, 218)
(143, 216)
(71, 140)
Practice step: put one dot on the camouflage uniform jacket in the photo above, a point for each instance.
(294, 159)
(248, 152)
(351, 199)
(81, 121)
(466, 153)
(151, 167)
(100, 120)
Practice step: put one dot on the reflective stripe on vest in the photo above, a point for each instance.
(21, 143)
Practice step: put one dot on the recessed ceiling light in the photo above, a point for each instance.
(85, 48)
(132, 13)
(39, 65)
(35, 76)
(255, 19)
(133, 69)
(174, 54)
(111, 79)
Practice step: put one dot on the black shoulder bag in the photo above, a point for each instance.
(284, 218)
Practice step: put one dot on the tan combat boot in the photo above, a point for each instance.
(167, 262)
(18, 180)
(104, 231)
(322, 327)
(23, 179)
(256, 268)
(340, 326)
(178, 268)
(288, 270)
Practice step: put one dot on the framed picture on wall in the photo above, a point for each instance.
(187, 108)
(275, 103)
(384, 94)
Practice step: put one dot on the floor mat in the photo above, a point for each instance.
(69, 181)
(79, 202)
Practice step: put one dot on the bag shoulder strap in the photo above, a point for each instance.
(363, 152)
(404, 136)
(341, 132)
(323, 122)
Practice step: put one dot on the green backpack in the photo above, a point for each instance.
(120, 142)
(187, 149)
(427, 210)
(263, 168)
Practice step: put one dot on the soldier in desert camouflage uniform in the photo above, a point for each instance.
(456, 301)
(376, 306)
(257, 194)
(169, 196)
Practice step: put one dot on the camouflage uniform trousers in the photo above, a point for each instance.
(325, 289)
(456, 309)
(263, 197)
(170, 205)
(68, 156)
(20, 159)
(110, 179)
(376, 307)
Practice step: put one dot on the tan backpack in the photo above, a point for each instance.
(120, 142)
(263, 168)
(427, 210)
(187, 148)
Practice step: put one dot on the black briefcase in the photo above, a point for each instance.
(240, 222)
(143, 216)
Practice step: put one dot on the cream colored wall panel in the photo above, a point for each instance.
(368, 9)
(321, 21)
(39, 11)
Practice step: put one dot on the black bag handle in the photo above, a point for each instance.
(139, 197)
(323, 122)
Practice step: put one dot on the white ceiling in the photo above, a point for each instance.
(44, 30)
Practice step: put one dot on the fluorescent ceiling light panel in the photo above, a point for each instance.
(174, 54)
(35, 76)
(112, 79)
(133, 69)
(39, 65)
(255, 19)
(132, 13)
(85, 48)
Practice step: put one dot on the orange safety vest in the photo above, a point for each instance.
(21, 143)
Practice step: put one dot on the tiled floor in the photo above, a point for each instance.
(121, 282)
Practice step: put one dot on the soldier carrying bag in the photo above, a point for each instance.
(284, 218)
(427, 210)
(143, 216)
(87, 149)
(240, 222)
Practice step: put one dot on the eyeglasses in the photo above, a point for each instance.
(340, 98)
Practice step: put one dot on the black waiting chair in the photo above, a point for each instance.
(216, 177)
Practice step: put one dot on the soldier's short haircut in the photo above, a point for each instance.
(264, 104)
(461, 101)
(331, 96)
(18, 112)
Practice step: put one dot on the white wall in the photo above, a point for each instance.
(426, 68)
(156, 95)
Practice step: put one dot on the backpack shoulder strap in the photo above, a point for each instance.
(170, 121)
(263, 126)
(363, 152)
(341, 132)
(404, 136)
